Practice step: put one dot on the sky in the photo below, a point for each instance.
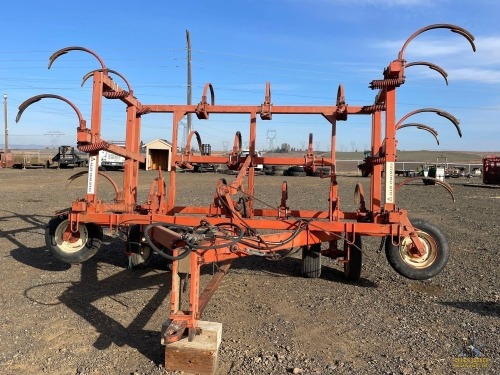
(304, 48)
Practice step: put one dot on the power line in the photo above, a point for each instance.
(54, 137)
(271, 136)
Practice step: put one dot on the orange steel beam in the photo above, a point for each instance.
(212, 285)
(96, 113)
(390, 149)
(248, 109)
(376, 176)
(132, 143)
(251, 171)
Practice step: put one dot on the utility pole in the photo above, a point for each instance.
(184, 135)
(188, 43)
(6, 144)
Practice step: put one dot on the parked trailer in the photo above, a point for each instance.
(206, 150)
(491, 170)
(231, 227)
(67, 157)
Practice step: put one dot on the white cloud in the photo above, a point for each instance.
(427, 48)
(435, 48)
(478, 75)
(488, 47)
(455, 56)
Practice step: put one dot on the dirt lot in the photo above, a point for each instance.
(101, 318)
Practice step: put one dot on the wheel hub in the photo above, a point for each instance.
(412, 257)
(68, 241)
(69, 236)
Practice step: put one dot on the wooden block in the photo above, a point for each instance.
(199, 356)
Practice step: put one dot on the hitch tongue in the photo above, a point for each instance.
(174, 331)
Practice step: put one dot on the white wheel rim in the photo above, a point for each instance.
(414, 260)
(76, 243)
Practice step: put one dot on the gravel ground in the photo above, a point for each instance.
(101, 318)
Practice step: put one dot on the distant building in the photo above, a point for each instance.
(158, 155)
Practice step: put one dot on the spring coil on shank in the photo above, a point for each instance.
(375, 160)
(383, 83)
(142, 110)
(103, 145)
(373, 108)
(115, 94)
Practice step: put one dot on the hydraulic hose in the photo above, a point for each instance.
(158, 251)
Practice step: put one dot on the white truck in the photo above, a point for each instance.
(110, 161)
(246, 152)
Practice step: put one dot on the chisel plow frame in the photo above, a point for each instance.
(232, 227)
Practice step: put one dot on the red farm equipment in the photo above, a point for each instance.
(491, 170)
(227, 229)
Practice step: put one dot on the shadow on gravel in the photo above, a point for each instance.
(37, 257)
(291, 267)
(81, 296)
(338, 276)
(30, 221)
(481, 308)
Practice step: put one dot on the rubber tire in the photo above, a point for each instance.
(140, 258)
(296, 168)
(405, 269)
(278, 167)
(352, 270)
(311, 261)
(298, 174)
(89, 248)
(428, 181)
(324, 170)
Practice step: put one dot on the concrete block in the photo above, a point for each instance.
(199, 356)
